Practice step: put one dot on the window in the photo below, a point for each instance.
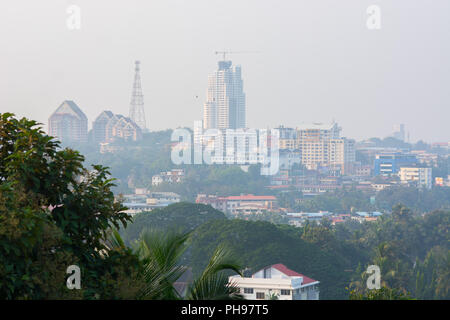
(248, 290)
(260, 295)
(285, 292)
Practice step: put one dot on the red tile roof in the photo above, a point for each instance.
(291, 273)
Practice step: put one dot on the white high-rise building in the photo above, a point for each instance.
(225, 99)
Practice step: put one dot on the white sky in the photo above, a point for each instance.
(317, 60)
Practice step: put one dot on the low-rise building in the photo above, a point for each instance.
(239, 204)
(172, 176)
(417, 176)
(277, 281)
(143, 200)
(298, 219)
(390, 163)
(366, 216)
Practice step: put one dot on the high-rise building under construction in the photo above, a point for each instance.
(225, 99)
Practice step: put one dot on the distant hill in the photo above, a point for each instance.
(183, 217)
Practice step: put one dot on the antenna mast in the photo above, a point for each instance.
(137, 113)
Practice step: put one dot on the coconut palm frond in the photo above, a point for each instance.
(213, 283)
(160, 253)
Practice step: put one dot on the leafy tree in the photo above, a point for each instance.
(183, 216)
(53, 213)
(160, 253)
(379, 294)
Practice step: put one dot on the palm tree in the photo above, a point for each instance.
(160, 255)
(213, 282)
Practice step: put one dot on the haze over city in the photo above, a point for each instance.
(306, 62)
(221, 155)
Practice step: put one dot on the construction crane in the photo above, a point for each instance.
(232, 52)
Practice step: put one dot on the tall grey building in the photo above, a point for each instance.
(225, 99)
(68, 123)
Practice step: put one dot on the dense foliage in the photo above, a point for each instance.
(223, 180)
(135, 162)
(412, 252)
(53, 213)
(345, 201)
(180, 217)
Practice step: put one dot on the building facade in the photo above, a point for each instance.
(68, 123)
(225, 99)
(109, 126)
(277, 281)
(417, 176)
(320, 145)
(172, 176)
(244, 204)
(390, 163)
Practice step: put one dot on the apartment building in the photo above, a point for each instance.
(277, 281)
(288, 138)
(320, 145)
(417, 176)
(341, 154)
(109, 126)
(68, 123)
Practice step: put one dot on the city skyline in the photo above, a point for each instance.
(306, 69)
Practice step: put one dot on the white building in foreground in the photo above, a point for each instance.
(277, 280)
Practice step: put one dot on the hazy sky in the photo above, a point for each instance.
(316, 60)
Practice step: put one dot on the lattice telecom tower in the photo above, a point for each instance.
(137, 113)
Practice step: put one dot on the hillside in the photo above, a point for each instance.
(181, 217)
(258, 244)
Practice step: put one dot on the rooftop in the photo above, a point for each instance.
(291, 273)
(250, 197)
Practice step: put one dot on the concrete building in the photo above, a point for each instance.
(342, 154)
(143, 200)
(277, 281)
(172, 176)
(109, 126)
(239, 204)
(390, 163)
(288, 138)
(99, 134)
(417, 176)
(225, 99)
(320, 145)
(68, 123)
